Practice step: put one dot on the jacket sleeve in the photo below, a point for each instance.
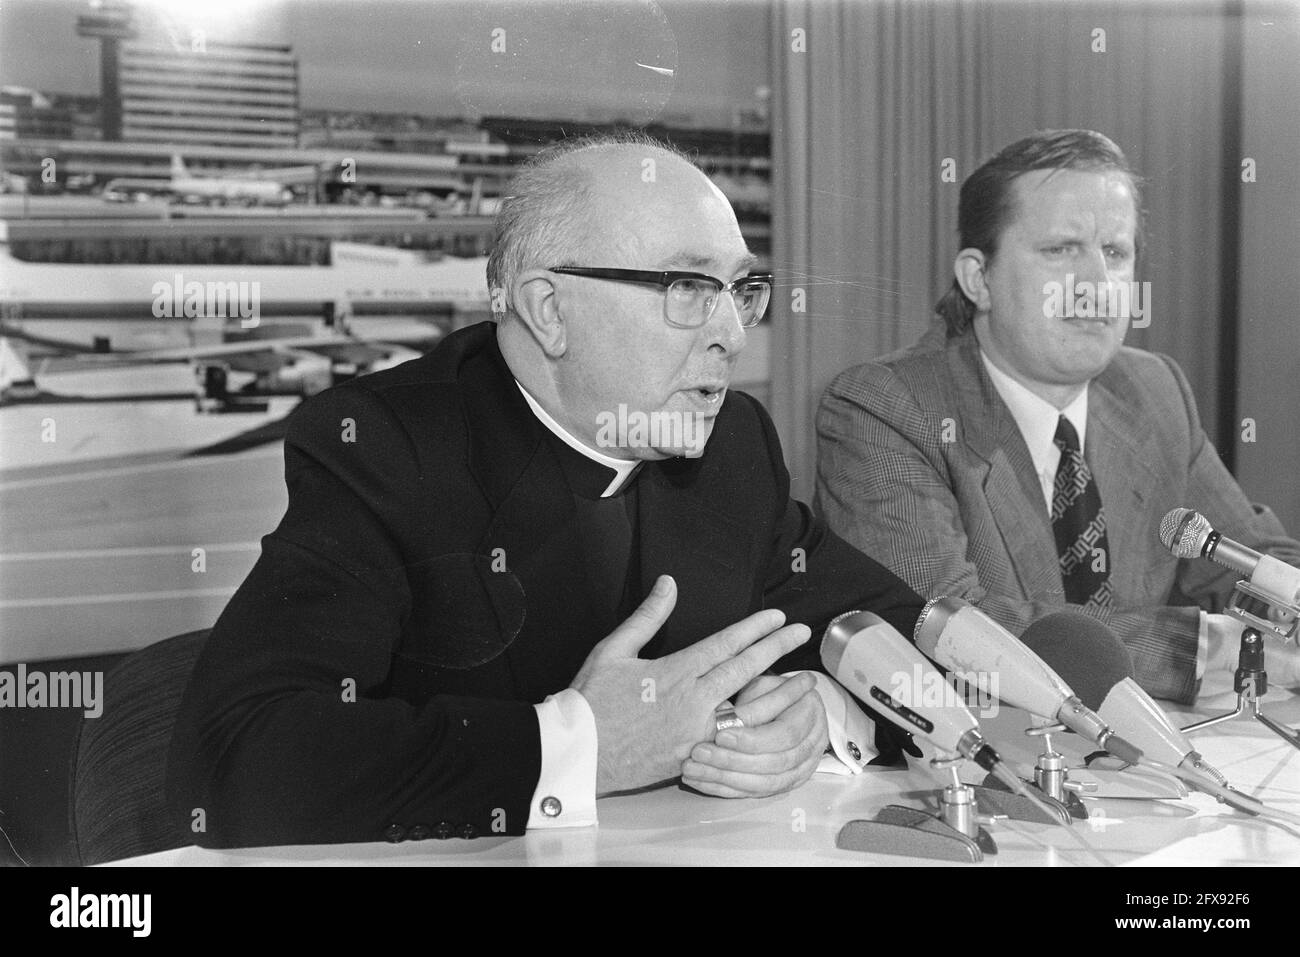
(814, 575)
(287, 733)
(883, 483)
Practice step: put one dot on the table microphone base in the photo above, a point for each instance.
(910, 832)
(993, 797)
(953, 834)
(1105, 776)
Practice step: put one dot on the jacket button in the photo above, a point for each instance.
(442, 830)
(394, 833)
(468, 832)
(420, 832)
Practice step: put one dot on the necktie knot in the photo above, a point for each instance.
(1066, 439)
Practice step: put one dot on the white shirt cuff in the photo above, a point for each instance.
(1202, 645)
(566, 790)
(852, 733)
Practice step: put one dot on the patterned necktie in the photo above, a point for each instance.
(1079, 524)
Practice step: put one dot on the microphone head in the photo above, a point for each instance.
(933, 620)
(1087, 655)
(835, 640)
(869, 658)
(1184, 532)
(967, 641)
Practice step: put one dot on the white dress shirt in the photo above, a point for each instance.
(1037, 419)
(566, 790)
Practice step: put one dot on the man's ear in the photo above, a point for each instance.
(969, 269)
(537, 304)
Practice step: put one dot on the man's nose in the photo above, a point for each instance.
(1091, 267)
(723, 328)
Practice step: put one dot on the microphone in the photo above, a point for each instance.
(1072, 643)
(1079, 645)
(964, 639)
(867, 655)
(1188, 534)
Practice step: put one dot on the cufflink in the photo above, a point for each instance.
(853, 750)
(551, 806)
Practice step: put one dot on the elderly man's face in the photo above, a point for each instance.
(1068, 223)
(623, 361)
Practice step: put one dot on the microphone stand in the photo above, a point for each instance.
(1050, 772)
(1059, 791)
(1251, 679)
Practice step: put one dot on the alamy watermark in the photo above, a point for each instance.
(57, 689)
(624, 429)
(75, 909)
(224, 300)
(1084, 299)
(928, 688)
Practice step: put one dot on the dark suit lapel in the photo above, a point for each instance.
(533, 524)
(1113, 449)
(1010, 483)
(509, 459)
(707, 554)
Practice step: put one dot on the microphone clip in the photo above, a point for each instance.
(1258, 609)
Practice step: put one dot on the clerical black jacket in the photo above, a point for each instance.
(429, 582)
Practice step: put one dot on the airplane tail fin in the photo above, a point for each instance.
(14, 373)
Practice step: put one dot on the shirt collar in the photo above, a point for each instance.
(623, 468)
(1036, 417)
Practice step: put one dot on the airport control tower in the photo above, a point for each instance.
(109, 21)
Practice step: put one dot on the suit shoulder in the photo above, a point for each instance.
(1133, 360)
(744, 423)
(1137, 372)
(747, 412)
(905, 378)
(419, 390)
(1154, 383)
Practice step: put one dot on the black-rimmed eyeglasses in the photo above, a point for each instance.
(691, 297)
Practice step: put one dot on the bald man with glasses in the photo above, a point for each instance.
(483, 607)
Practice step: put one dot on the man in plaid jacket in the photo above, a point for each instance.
(1020, 456)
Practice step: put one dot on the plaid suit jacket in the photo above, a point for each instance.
(922, 466)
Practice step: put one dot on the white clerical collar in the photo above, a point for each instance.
(1037, 418)
(623, 468)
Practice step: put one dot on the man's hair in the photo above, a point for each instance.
(988, 197)
(546, 219)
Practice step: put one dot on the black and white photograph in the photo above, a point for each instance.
(693, 433)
